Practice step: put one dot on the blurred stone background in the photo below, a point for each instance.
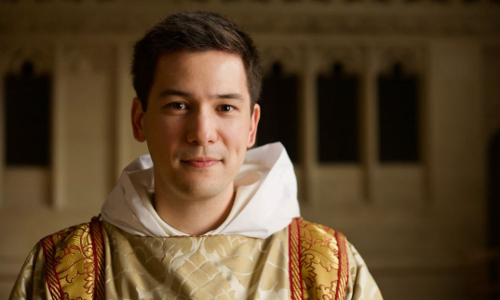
(390, 110)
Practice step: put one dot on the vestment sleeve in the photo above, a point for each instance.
(361, 285)
(30, 283)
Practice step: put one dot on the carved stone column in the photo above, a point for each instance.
(127, 148)
(84, 122)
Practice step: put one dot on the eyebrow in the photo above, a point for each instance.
(234, 96)
(174, 92)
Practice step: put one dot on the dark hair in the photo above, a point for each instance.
(193, 31)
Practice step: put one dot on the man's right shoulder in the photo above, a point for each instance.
(77, 238)
(68, 264)
(74, 257)
(65, 236)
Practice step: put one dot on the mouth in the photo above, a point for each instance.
(201, 162)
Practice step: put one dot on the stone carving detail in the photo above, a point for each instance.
(289, 56)
(413, 58)
(122, 22)
(351, 57)
(13, 57)
(86, 59)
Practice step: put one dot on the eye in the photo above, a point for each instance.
(225, 108)
(177, 105)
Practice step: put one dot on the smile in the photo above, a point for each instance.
(201, 162)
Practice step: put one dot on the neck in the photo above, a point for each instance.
(193, 216)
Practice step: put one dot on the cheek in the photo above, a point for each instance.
(161, 135)
(236, 137)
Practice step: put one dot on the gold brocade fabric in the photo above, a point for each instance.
(302, 261)
(204, 267)
(73, 259)
(323, 261)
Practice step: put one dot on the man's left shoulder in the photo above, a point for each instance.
(329, 265)
(314, 232)
(321, 260)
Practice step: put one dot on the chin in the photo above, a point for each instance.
(201, 189)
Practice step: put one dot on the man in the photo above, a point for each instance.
(207, 220)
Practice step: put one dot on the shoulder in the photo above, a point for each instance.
(76, 243)
(319, 242)
(85, 233)
(313, 233)
(330, 266)
(63, 236)
(74, 259)
(65, 264)
(323, 259)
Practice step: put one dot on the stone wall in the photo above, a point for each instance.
(420, 226)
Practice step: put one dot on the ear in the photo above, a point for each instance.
(137, 120)
(254, 122)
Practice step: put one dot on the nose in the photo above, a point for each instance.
(202, 128)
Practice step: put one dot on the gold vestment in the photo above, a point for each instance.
(97, 260)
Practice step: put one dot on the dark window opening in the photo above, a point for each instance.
(279, 119)
(398, 117)
(338, 126)
(27, 118)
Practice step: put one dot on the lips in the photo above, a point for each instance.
(201, 162)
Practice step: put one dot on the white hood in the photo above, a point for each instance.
(265, 202)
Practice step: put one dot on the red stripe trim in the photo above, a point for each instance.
(300, 260)
(343, 274)
(51, 278)
(94, 252)
(97, 249)
(294, 265)
(344, 244)
(340, 266)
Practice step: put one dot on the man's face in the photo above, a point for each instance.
(198, 124)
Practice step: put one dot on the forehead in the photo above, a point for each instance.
(218, 69)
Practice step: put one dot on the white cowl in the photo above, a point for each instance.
(265, 202)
